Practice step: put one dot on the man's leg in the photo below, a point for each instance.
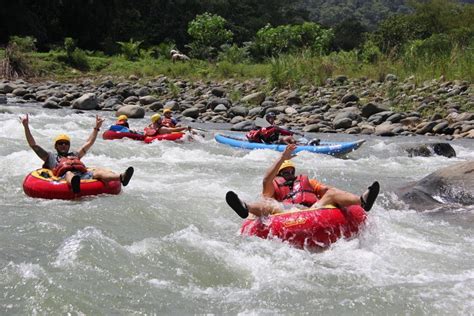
(338, 198)
(74, 181)
(342, 198)
(108, 175)
(259, 208)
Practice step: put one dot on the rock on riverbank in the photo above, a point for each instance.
(342, 105)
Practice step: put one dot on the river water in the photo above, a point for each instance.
(169, 244)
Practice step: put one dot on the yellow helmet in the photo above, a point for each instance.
(286, 164)
(166, 111)
(122, 117)
(62, 137)
(155, 118)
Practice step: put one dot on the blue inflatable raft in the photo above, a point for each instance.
(328, 148)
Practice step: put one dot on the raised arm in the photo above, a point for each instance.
(272, 172)
(98, 123)
(285, 132)
(43, 154)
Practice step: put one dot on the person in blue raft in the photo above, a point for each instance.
(283, 190)
(270, 133)
(68, 165)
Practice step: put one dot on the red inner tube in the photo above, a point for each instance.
(42, 184)
(173, 136)
(108, 134)
(316, 228)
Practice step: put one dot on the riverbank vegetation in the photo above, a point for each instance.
(431, 39)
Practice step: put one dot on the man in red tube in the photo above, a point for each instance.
(282, 189)
(68, 165)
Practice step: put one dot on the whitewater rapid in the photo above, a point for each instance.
(169, 244)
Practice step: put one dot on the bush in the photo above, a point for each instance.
(283, 72)
(208, 32)
(69, 45)
(290, 39)
(78, 59)
(15, 63)
(75, 57)
(24, 44)
(161, 50)
(370, 52)
(233, 54)
(438, 45)
(131, 49)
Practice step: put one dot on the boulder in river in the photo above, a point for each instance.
(428, 150)
(444, 187)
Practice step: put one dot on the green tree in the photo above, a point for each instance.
(208, 32)
(428, 18)
(273, 41)
(348, 34)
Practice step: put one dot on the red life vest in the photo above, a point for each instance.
(270, 134)
(71, 163)
(168, 122)
(151, 130)
(301, 193)
(254, 136)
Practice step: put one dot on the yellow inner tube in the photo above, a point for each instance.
(47, 175)
(304, 210)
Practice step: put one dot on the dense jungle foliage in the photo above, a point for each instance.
(288, 41)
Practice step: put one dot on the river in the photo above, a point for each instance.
(169, 244)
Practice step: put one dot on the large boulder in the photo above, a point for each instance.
(447, 186)
(112, 103)
(243, 126)
(254, 98)
(6, 87)
(239, 111)
(216, 101)
(427, 150)
(191, 112)
(372, 108)
(86, 102)
(132, 111)
(149, 99)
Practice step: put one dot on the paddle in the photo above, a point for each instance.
(198, 129)
(261, 122)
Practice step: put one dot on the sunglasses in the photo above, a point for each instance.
(62, 143)
(287, 172)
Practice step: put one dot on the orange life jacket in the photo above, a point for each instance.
(168, 122)
(301, 193)
(71, 163)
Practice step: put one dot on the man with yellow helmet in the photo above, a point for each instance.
(168, 120)
(68, 165)
(280, 184)
(122, 120)
(157, 128)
